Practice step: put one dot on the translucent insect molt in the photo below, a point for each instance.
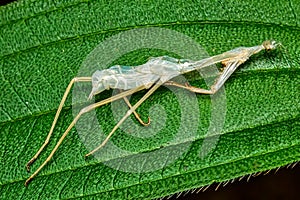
(151, 75)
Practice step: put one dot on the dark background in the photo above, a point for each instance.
(280, 185)
(3, 2)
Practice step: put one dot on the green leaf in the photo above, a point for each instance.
(43, 44)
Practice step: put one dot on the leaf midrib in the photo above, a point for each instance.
(149, 25)
(47, 11)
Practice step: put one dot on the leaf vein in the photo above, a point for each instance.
(293, 11)
(86, 180)
(6, 113)
(42, 188)
(14, 90)
(115, 175)
(28, 136)
(143, 26)
(64, 185)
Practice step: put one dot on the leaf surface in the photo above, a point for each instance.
(42, 46)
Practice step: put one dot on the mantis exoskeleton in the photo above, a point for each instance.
(151, 75)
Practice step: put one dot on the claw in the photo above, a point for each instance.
(29, 163)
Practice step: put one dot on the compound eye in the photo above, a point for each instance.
(273, 42)
(269, 45)
(95, 79)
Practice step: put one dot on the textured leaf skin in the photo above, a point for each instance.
(43, 43)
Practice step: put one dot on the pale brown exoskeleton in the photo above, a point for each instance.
(151, 75)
